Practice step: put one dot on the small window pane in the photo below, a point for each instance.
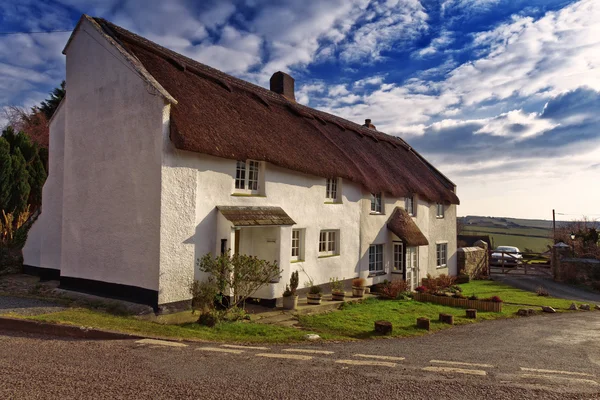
(376, 202)
(240, 175)
(376, 258)
(253, 175)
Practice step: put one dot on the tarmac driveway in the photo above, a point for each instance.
(25, 306)
(556, 289)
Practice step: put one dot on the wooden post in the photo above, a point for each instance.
(423, 323)
(553, 226)
(471, 313)
(447, 318)
(383, 327)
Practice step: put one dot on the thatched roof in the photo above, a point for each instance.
(256, 216)
(223, 116)
(402, 225)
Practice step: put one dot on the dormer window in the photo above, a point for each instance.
(409, 206)
(332, 191)
(247, 177)
(376, 206)
(439, 210)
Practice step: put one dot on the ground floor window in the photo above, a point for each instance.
(376, 258)
(398, 257)
(328, 243)
(442, 251)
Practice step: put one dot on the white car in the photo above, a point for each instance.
(508, 256)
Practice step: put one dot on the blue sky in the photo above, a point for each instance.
(501, 95)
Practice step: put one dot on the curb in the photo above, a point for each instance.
(76, 332)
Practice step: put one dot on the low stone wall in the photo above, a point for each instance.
(579, 271)
(473, 261)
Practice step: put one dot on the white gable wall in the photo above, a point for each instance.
(112, 159)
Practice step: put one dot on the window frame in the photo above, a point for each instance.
(376, 199)
(398, 258)
(247, 178)
(441, 252)
(377, 258)
(299, 249)
(328, 242)
(409, 206)
(332, 190)
(440, 211)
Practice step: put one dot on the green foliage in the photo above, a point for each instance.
(5, 174)
(315, 289)
(336, 285)
(204, 294)
(240, 276)
(20, 187)
(294, 281)
(49, 106)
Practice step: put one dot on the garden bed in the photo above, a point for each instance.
(479, 305)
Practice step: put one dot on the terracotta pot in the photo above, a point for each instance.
(358, 291)
(313, 298)
(338, 296)
(290, 302)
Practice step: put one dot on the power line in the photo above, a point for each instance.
(33, 32)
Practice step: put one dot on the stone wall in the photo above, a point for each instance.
(473, 261)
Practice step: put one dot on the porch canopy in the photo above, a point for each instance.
(402, 225)
(255, 216)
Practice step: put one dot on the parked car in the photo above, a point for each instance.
(508, 256)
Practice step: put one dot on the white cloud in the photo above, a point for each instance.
(516, 124)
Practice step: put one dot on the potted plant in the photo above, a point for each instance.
(314, 294)
(337, 289)
(358, 287)
(290, 298)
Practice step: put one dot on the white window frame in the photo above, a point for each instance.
(376, 260)
(376, 203)
(332, 190)
(409, 206)
(398, 257)
(441, 252)
(248, 176)
(297, 252)
(329, 242)
(440, 210)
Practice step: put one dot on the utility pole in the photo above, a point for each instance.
(553, 226)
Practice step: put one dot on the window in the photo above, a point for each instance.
(398, 257)
(409, 206)
(297, 244)
(376, 258)
(332, 190)
(442, 251)
(328, 244)
(440, 211)
(376, 203)
(247, 176)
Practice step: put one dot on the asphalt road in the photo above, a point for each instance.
(545, 357)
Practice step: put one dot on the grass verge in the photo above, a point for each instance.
(353, 321)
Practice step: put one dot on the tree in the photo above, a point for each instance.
(20, 183)
(586, 243)
(5, 174)
(49, 106)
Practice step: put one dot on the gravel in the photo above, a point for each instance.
(25, 306)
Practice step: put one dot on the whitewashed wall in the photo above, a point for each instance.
(112, 167)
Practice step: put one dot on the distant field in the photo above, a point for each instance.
(533, 238)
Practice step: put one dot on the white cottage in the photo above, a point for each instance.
(156, 160)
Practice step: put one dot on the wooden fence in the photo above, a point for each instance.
(479, 305)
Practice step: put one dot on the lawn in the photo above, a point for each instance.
(246, 332)
(352, 321)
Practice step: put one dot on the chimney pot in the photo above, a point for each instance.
(283, 84)
(368, 124)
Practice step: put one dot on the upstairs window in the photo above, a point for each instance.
(409, 206)
(440, 211)
(376, 258)
(376, 203)
(328, 243)
(247, 176)
(442, 253)
(331, 191)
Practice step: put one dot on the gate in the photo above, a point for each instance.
(514, 264)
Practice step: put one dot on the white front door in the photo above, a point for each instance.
(412, 268)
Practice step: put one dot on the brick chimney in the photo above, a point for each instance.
(283, 84)
(368, 124)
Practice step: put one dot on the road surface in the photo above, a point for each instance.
(545, 357)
